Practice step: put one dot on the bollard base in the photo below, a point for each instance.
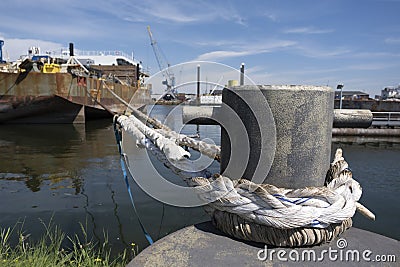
(204, 245)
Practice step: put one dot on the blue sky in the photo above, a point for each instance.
(356, 42)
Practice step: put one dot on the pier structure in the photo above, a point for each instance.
(302, 140)
(342, 118)
(346, 122)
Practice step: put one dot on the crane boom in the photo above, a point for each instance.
(163, 65)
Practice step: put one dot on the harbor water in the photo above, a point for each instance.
(71, 174)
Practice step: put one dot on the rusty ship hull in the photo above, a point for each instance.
(35, 97)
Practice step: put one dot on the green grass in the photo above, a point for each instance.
(49, 249)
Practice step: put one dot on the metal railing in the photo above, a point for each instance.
(64, 53)
(388, 119)
(103, 53)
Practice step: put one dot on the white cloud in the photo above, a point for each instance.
(272, 17)
(14, 48)
(392, 40)
(212, 43)
(370, 55)
(51, 20)
(165, 11)
(373, 66)
(218, 55)
(317, 52)
(255, 70)
(308, 30)
(177, 12)
(239, 50)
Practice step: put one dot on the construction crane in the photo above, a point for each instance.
(164, 66)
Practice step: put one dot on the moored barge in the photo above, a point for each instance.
(45, 89)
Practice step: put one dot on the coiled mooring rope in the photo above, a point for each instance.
(265, 213)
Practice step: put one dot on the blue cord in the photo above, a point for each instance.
(123, 167)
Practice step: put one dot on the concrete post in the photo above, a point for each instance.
(303, 118)
(242, 74)
(340, 86)
(198, 85)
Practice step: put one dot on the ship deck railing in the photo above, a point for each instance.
(103, 53)
(386, 119)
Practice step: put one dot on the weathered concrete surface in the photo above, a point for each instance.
(303, 118)
(203, 245)
(352, 118)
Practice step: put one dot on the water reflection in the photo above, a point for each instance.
(36, 154)
(58, 170)
(72, 174)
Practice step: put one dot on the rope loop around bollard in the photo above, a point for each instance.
(262, 212)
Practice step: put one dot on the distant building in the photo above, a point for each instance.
(352, 95)
(390, 92)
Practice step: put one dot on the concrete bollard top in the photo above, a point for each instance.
(289, 87)
(302, 117)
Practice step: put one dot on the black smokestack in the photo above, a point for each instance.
(71, 49)
(137, 72)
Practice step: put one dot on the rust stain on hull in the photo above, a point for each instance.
(28, 96)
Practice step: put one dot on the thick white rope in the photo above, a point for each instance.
(315, 207)
(210, 150)
(177, 164)
(166, 145)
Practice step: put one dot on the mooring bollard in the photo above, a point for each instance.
(303, 119)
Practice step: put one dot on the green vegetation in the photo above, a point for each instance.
(49, 251)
